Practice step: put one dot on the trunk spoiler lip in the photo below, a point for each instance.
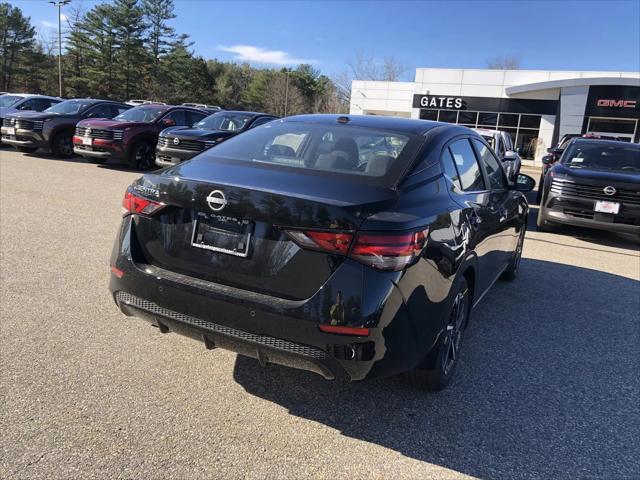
(392, 191)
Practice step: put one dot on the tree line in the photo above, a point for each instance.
(127, 49)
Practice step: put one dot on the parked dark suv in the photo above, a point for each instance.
(176, 144)
(53, 128)
(131, 136)
(289, 245)
(24, 102)
(595, 184)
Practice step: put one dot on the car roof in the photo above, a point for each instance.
(242, 112)
(592, 141)
(398, 124)
(30, 95)
(486, 131)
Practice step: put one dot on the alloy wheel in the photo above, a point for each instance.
(453, 333)
(65, 146)
(144, 156)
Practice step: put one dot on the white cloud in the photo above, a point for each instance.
(44, 23)
(251, 54)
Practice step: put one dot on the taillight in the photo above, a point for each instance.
(382, 251)
(388, 251)
(332, 242)
(133, 203)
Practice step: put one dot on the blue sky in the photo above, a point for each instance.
(587, 35)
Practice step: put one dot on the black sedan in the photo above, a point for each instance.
(176, 144)
(290, 245)
(595, 184)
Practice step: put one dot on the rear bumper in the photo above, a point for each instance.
(167, 156)
(580, 212)
(264, 348)
(273, 329)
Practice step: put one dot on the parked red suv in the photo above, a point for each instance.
(132, 135)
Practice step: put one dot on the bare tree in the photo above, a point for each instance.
(505, 62)
(366, 67)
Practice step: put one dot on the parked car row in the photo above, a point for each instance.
(101, 130)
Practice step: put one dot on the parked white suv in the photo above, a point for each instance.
(503, 146)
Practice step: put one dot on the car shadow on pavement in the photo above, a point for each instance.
(547, 385)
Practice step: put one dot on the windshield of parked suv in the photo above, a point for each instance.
(603, 156)
(8, 100)
(69, 107)
(229, 122)
(322, 149)
(145, 114)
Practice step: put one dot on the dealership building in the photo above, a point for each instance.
(535, 107)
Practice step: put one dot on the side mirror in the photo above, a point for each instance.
(557, 151)
(510, 155)
(547, 160)
(524, 183)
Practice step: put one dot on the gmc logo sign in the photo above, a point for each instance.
(616, 103)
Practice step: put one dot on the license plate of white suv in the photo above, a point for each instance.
(604, 206)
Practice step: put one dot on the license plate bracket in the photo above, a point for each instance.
(217, 233)
(605, 206)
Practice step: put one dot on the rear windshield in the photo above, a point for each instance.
(602, 156)
(374, 156)
(145, 114)
(69, 107)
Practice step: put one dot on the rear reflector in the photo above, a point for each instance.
(382, 251)
(117, 272)
(133, 203)
(361, 332)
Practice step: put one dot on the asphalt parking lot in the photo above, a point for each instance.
(547, 387)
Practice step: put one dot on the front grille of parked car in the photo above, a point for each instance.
(191, 145)
(570, 188)
(98, 133)
(23, 124)
(264, 340)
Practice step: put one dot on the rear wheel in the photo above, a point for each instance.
(62, 145)
(142, 155)
(448, 346)
(26, 149)
(511, 271)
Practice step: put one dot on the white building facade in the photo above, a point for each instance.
(535, 107)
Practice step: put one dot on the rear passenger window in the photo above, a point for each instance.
(467, 166)
(196, 117)
(491, 163)
(179, 117)
(450, 168)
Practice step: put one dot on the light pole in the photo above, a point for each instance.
(286, 94)
(59, 4)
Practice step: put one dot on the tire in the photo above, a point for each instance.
(540, 188)
(62, 145)
(511, 272)
(142, 155)
(448, 345)
(26, 149)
